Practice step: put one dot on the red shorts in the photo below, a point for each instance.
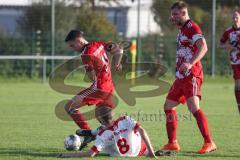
(96, 97)
(182, 89)
(236, 71)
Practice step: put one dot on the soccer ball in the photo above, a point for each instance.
(72, 142)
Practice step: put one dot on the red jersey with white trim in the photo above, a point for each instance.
(232, 36)
(95, 58)
(187, 37)
(121, 139)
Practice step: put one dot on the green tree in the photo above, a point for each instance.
(95, 23)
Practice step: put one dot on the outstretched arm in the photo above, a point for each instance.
(146, 139)
(89, 153)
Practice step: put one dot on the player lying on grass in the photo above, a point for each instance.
(122, 137)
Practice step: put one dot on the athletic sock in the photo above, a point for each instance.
(237, 95)
(203, 125)
(79, 119)
(171, 125)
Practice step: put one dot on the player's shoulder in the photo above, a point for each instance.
(229, 29)
(124, 118)
(110, 129)
(191, 28)
(93, 46)
(104, 133)
(192, 25)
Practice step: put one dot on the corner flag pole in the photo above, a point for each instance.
(133, 51)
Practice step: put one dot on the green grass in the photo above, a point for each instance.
(29, 128)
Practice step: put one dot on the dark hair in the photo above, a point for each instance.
(236, 10)
(179, 5)
(73, 34)
(103, 112)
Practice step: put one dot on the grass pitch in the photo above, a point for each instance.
(29, 128)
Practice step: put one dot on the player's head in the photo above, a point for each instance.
(236, 18)
(104, 115)
(179, 13)
(75, 40)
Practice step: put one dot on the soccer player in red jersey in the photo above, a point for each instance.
(191, 47)
(97, 65)
(230, 40)
(123, 137)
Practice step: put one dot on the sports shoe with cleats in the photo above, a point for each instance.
(171, 147)
(86, 140)
(207, 147)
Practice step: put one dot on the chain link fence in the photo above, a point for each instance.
(26, 30)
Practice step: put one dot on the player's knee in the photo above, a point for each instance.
(167, 106)
(237, 88)
(68, 106)
(193, 109)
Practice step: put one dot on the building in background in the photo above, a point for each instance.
(122, 13)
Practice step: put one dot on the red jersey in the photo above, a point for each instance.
(187, 37)
(232, 35)
(95, 59)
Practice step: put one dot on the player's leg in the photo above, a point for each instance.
(237, 93)
(171, 125)
(172, 100)
(236, 77)
(171, 120)
(193, 106)
(72, 108)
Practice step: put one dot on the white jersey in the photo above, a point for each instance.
(120, 139)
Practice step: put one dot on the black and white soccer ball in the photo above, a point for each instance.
(72, 142)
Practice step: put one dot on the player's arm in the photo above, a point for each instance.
(202, 50)
(87, 60)
(117, 51)
(224, 42)
(227, 46)
(89, 153)
(91, 75)
(147, 141)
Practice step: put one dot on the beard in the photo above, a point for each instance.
(178, 23)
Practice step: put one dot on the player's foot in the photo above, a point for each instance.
(171, 147)
(86, 140)
(84, 132)
(165, 153)
(207, 147)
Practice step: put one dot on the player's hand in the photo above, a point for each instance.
(151, 155)
(185, 67)
(118, 67)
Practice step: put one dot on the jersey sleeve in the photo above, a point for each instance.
(95, 57)
(196, 33)
(99, 145)
(224, 37)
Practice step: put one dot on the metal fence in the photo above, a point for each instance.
(40, 32)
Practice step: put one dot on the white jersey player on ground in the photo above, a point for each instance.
(122, 137)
